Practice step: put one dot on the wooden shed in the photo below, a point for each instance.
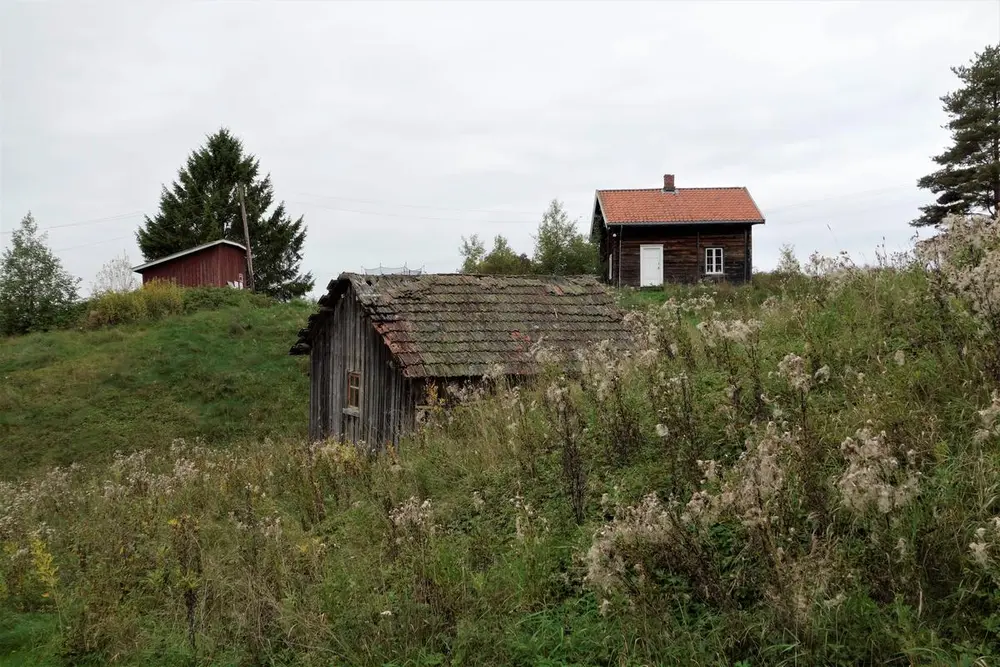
(221, 263)
(378, 342)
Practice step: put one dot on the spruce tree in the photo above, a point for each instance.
(969, 178)
(203, 205)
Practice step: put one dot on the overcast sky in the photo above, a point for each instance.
(397, 128)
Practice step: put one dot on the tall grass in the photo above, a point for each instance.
(806, 477)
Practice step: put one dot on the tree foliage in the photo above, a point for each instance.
(559, 250)
(203, 206)
(116, 276)
(35, 291)
(501, 260)
(969, 178)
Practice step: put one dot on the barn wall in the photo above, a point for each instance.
(212, 267)
(348, 342)
(684, 251)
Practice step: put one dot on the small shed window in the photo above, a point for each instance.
(611, 265)
(713, 261)
(353, 389)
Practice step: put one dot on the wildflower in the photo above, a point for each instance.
(793, 368)
(899, 358)
(872, 477)
(385, 613)
(979, 548)
(662, 430)
(413, 519)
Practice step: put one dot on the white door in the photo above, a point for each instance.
(650, 265)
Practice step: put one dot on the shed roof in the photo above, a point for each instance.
(461, 325)
(189, 251)
(683, 205)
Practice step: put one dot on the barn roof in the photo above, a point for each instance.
(683, 205)
(460, 325)
(189, 251)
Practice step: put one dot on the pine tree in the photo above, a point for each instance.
(969, 178)
(36, 293)
(203, 206)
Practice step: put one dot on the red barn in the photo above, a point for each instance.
(220, 263)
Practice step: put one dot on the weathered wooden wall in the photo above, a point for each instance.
(683, 251)
(212, 267)
(347, 342)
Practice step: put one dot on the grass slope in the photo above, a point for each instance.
(222, 375)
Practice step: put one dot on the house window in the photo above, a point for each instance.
(611, 273)
(353, 389)
(713, 261)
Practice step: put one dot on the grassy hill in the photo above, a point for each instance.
(800, 471)
(221, 373)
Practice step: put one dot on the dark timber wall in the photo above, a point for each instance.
(683, 251)
(216, 266)
(347, 342)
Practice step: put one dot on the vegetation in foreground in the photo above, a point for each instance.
(807, 478)
(208, 363)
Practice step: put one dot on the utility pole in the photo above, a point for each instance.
(246, 238)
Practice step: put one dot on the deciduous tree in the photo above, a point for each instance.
(501, 260)
(35, 291)
(560, 248)
(116, 276)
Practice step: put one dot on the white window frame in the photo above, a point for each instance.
(715, 261)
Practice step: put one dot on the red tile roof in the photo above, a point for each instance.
(681, 205)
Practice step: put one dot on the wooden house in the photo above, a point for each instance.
(379, 342)
(651, 236)
(220, 263)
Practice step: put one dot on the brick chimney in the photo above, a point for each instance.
(668, 183)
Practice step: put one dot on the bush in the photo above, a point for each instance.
(158, 299)
(152, 301)
(214, 298)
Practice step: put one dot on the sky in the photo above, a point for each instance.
(397, 129)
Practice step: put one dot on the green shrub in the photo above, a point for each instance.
(214, 298)
(158, 299)
(162, 298)
(153, 301)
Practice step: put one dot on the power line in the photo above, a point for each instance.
(93, 243)
(433, 208)
(95, 221)
(846, 197)
(415, 217)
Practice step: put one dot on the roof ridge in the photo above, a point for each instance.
(707, 187)
(187, 251)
